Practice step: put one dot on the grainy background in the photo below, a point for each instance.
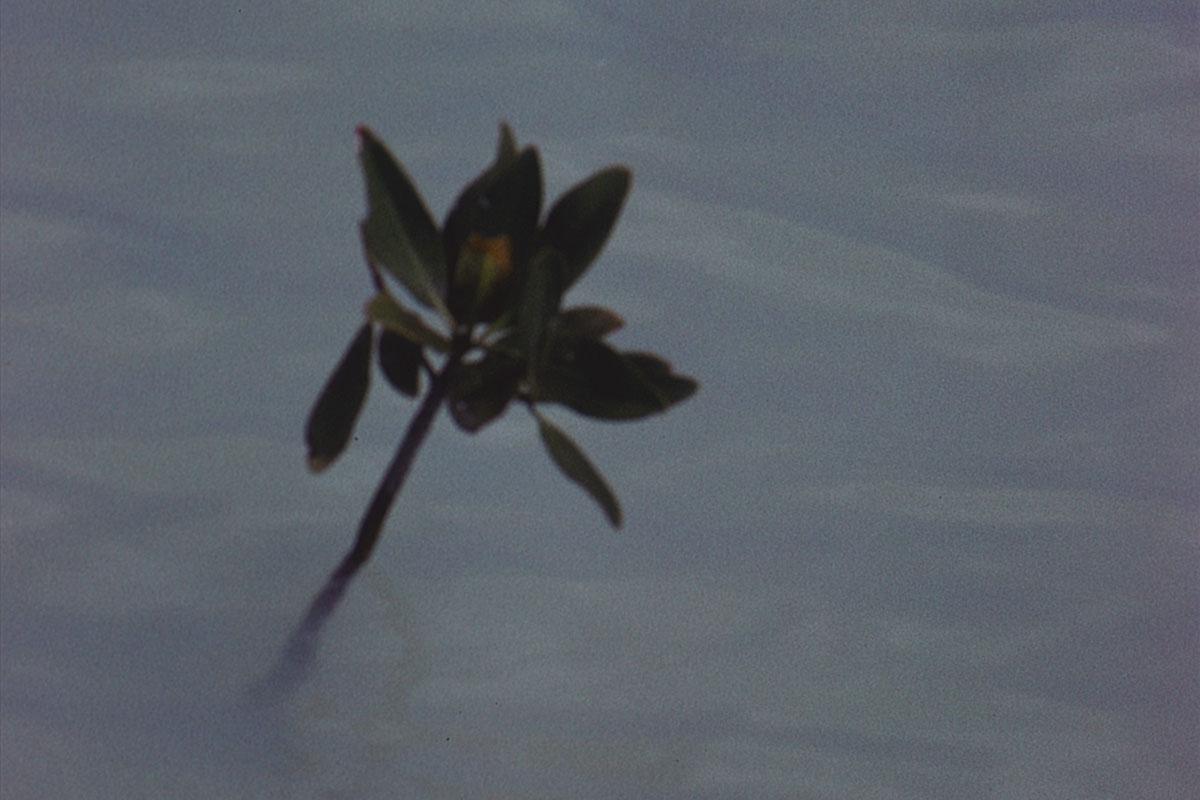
(927, 531)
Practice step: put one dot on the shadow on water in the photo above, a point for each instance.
(312, 722)
(299, 654)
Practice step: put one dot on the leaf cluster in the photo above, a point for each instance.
(493, 277)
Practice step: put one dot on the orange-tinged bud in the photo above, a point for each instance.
(484, 269)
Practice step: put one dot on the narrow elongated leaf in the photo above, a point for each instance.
(581, 220)
(387, 311)
(400, 360)
(576, 466)
(590, 322)
(332, 419)
(399, 233)
(540, 294)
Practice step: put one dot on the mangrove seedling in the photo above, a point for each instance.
(488, 289)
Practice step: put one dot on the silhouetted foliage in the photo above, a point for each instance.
(494, 275)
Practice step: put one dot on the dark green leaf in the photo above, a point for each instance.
(590, 322)
(399, 233)
(540, 293)
(400, 360)
(332, 418)
(580, 221)
(576, 466)
(592, 378)
(482, 390)
(387, 311)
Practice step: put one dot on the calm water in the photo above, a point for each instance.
(927, 530)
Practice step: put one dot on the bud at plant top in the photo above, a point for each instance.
(483, 275)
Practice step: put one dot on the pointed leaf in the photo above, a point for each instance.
(590, 322)
(387, 311)
(506, 148)
(332, 419)
(592, 378)
(670, 387)
(400, 360)
(576, 466)
(581, 220)
(399, 233)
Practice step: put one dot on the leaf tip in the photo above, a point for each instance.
(508, 139)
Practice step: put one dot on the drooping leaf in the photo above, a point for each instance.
(590, 322)
(331, 421)
(540, 294)
(387, 311)
(576, 466)
(580, 221)
(400, 360)
(596, 380)
(399, 233)
(504, 204)
(481, 391)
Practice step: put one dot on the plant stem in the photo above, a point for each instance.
(300, 650)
